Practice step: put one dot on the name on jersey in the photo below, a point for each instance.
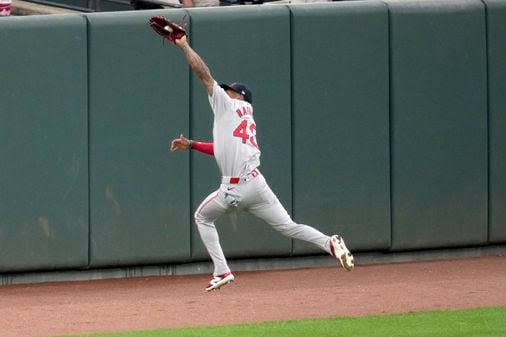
(246, 110)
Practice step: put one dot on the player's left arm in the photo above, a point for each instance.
(183, 143)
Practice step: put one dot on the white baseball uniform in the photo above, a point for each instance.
(243, 187)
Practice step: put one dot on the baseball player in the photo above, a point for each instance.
(243, 187)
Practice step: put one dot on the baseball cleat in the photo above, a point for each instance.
(341, 253)
(219, 281)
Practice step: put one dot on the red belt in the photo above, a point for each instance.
(237, 180)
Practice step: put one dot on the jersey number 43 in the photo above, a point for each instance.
(246, 133)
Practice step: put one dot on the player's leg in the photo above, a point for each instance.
(205, 216)
(276, 215)
(267, 207)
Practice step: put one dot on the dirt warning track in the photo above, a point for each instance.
(180, 301)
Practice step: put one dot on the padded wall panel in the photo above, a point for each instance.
(340, 123)
(496, 29)
(439, 123)
(43, 143)
(262, 61)
(139, 190)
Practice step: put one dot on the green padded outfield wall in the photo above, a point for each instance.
(340, 122)
(43, 143)
(357, 96)
(496, 31)
(438, 123)
(262, 61)
(139, 192)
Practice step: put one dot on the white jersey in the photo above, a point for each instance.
(234, 132)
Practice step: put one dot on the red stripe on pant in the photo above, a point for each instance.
(206, 203)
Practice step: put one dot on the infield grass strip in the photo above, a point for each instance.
(487, 322)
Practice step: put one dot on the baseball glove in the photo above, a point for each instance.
(168, 29)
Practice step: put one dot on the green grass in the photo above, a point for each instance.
(488, 322)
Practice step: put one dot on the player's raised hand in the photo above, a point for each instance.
(180, 143)
(182, 41)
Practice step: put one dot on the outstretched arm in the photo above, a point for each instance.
(183, 143)
(197, 64)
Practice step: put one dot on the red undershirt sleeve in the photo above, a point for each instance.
(207, 148)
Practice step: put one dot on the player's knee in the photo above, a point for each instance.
(197, 217)
(203, 223)
(200, 220)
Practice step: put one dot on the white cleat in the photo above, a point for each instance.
(219, 281)
(341, 253)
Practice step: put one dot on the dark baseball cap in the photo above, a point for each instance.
(240, 89)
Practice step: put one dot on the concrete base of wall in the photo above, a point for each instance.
(249, 265)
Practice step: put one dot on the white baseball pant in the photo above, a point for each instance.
(253, 195)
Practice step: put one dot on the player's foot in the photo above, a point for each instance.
(219, 281)
(341, 253)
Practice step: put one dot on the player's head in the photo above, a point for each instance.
(240, 89)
